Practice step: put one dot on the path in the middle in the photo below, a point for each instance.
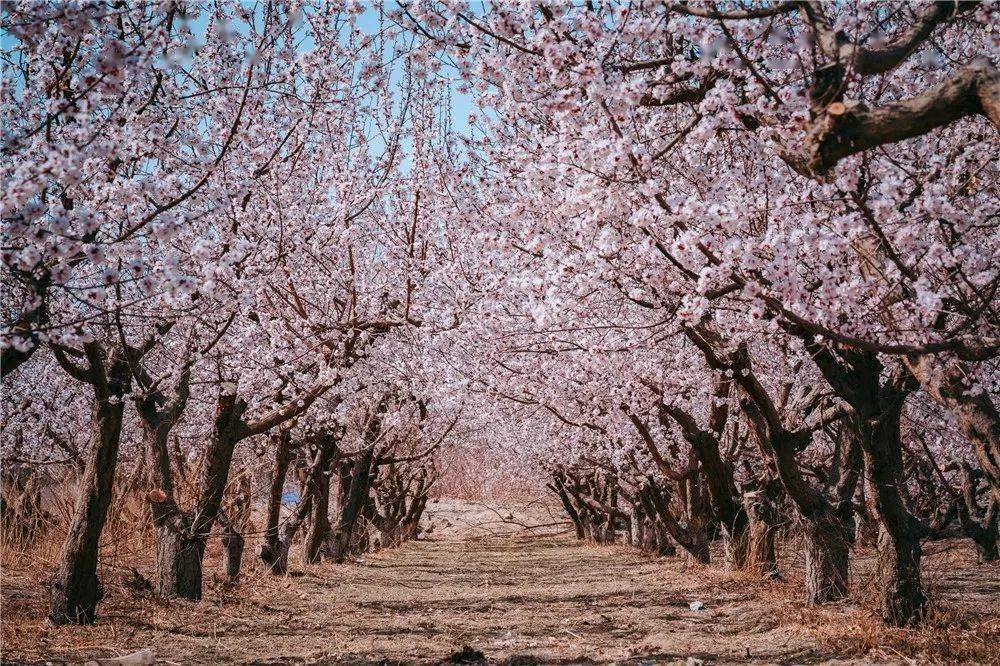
(544, 597)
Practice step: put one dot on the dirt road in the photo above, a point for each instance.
(543, 598)
(526, 597)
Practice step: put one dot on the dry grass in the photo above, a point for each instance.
(511, 593)
(963, 623)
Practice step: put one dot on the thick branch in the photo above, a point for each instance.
(972, 90)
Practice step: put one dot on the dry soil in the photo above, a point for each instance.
(509, 585)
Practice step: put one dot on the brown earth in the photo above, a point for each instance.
(518, 590)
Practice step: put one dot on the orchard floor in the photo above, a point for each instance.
(517, 596)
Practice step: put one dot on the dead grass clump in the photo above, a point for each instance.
(962, 624)
(947, 636)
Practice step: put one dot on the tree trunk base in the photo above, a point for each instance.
(74, 598)
(233, 545)
(903, 600)
(178, 563)
(761, 554)
(737, 549)
(987, 550)
(275, 556)
(826, 564)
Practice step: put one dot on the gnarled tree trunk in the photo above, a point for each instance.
(559, 488)
(357, 483)
(312, 489)
(226, 433)
(717, 474)
(76, 590)
(982, 526)
(319, 487)
(175, 556)
(319, 528)
(827, 550)
(761, 534)
(903, 599)
(233, 545)
(282, 457)
(878, 403)
(177, 562)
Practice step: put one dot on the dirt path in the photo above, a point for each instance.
(525, 597)
(544, 597)
(540, 598)
(547, 598)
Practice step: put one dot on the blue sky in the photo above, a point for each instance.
(462, 104)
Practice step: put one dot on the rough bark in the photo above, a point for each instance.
(657, 503)
(411, 526)
(716, 474)
(228, 429)
(829, 537)
(698, 512)
(277, 551)
(558, 487)
(399, 500)
(723, 495)
(663, 545)
(826, 550)
(987, 544)
(761, 555)
(826, 541)
(76, 590)
(352, 506)
(319, 527)
(840, 132)
(175, 557)
(279, 563)
(984, 533)
(982, 526)
(878, 405)
(762, 531)
(233, 545)
(903, 600)
(635, 535)
(778, 444)
(282, 457)
(318, 483)
(866, 521)
(177, 561)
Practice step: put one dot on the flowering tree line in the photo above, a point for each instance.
(720, 271)
(213, 237)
